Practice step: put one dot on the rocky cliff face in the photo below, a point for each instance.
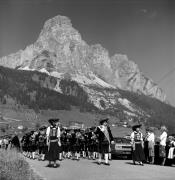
(60, 49)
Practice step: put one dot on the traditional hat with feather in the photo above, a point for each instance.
(103, 120)
(136, 126)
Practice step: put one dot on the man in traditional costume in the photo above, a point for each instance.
(105, 138)
(53, 142)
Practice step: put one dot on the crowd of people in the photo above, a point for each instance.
(146, 149)
(10, 142)
(55, 142)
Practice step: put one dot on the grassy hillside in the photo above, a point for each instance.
(34, 89)
(161, 113)
(31, 120)
(25, 92)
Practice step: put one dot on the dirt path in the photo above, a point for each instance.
(89, 170)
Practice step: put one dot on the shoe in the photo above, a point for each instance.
(56, 165)
(107, 164)
(49, 165)
(141, 164)
(99, 163)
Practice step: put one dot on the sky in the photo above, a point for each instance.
(144, 30)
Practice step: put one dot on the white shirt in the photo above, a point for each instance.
(58, 132)
(102, 128)
(134, 135)
(163, 138)
(151, 137)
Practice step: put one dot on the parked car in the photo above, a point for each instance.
(121, 147)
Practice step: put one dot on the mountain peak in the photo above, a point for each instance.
(57, 21)
(60, 48)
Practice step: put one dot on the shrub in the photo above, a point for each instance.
(14, 167)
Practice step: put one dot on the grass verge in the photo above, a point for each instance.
(14, 167)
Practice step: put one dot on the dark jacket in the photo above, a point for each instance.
(101, 136)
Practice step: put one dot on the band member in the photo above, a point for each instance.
(137, 145)
(105, 138)
(146, 150)
(77, 144)
(33, 145)
(162, 150)
(68, 143)
(24, 145)
(58, 124)
(92, 143)
(42, 143)
(63, 139)
(82, 143)
(53, 142)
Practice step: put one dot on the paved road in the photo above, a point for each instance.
(89, 170)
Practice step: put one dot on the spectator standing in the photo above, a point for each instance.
(15, 143)
(171, 149)
(163, 139)
(151, 144)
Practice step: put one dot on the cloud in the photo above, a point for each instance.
(151, 14)
(144, 11)
(27, 1)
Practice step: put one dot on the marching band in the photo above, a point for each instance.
(56, 143)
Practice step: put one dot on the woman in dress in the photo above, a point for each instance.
(137, 145)
(53, 142)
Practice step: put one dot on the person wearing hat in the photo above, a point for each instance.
(137, 145)
(42, 142)
(32, 144)
(93, 145)
(163, 139)
(53, 142)
(105, 138)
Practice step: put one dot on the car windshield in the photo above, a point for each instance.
(121, 140)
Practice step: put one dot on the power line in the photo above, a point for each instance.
(163, 77)
(166, 75)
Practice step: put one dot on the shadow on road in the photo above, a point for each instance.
(95, 162)
(131, 163)
(53, 166)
